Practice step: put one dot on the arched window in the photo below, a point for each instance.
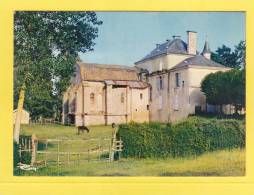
(92, 96)
(122, 97)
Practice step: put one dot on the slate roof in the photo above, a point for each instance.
(206, 48)
(175, 46)
(198, 60)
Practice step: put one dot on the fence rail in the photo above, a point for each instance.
(57, 152)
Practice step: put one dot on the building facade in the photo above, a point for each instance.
(25, 117)
(104, 94)
(164, 86)
(175, 70)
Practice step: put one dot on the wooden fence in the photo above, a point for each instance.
(46, 152)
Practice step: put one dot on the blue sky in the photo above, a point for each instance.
(126, 37)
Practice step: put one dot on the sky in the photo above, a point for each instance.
(126, 37)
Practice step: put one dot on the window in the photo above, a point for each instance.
(147, 107)
(182, 83)
(151, 94)
(92, 96)
(122, 97)
(160, 83)
(141, 96)
(177, 76)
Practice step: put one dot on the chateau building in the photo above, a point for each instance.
(175, 70)
(163, 86)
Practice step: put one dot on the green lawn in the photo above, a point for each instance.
(218, 163)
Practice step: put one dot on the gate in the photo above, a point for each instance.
(47, 152)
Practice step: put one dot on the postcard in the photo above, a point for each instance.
(99, 99)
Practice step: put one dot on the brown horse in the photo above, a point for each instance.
(82, 129)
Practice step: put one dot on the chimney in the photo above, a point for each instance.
(192, 42)
(176, 37)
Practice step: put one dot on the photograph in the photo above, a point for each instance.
(117, 93)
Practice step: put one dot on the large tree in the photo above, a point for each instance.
(46, 47)
(234, 58)
(223, 88)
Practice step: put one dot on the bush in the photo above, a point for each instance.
(25, 155)
(15, 154)
(191, 137)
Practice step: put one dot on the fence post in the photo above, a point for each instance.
(34, 149)
(120, 149)
(58, 150)
(111, 158)
(100, 149)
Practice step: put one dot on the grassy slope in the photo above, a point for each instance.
(219, 163)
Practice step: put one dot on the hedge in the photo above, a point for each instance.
(191, 137)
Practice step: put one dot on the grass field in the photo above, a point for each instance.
(218, 163)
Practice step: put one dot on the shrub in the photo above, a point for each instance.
(191, 137)
(15, 154)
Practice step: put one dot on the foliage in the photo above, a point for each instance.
(217, 163)
(231, 58)
(46, 48)
(191, 137)
(225, 88)
(25, 156)
(15, 154)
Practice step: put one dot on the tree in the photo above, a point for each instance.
(225, 88)
(46, 48)
(230, 58)
(240, 52)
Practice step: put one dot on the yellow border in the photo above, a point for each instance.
(150, 184)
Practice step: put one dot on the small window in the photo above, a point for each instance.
(151, 94)
(122, 97)
(161, 83)
(141, 96)
(147, 107)
(177, 76)
(182, 83)
(92, 96)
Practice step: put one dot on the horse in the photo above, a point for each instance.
(82, 129)
(113, 125)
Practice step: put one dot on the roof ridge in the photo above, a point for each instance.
(167, 47)
(107, 66)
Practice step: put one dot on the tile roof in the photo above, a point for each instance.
(101, 72)
(131, 84)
